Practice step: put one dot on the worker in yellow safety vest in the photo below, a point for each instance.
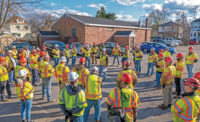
(123, 102)
(93, 85)
(44, 48)
(22, 54)
(56, 55)
(61, 73)
(34, 67)
(103, 64)
(25, 95)
(38, 51)
(167, 81)
(66, 53)
(187, 108)
(4, 83)
(167, 53)
(191, 59)
(14, 53)
(82, 50)
(152, 58)
(126, 69)
(72, 100)
(10, 65)
(74, 55)
(160, 66)
(116, 52)
(46, 71)
(126, 52)
(22, 66)
(94, 51)
(138, 57)
(82, 72)
(87, 53)
(180, 65)
(197, 76)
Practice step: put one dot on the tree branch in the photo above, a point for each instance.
(6, 14)
(2, 10)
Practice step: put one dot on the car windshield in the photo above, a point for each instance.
(60, 44)
(21, 45)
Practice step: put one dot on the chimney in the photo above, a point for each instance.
(13, 14)
(147, 22)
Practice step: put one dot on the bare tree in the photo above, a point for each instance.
(8, 6)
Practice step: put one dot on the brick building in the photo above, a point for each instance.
(92, 29)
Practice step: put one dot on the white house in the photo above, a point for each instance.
(18, 27)
(195, 29)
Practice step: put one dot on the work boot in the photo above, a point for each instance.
(162, 106)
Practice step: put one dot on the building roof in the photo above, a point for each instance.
(49, 33)
(196, 20)
(14, 18)
(124, 33)
(170, 23)
(96, 21)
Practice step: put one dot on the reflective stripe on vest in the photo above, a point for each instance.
(23, 89)
(82, 77)
(45, 73)
(63, 75)
(117, 97)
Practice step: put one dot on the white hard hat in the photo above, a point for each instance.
(72, 76)
(94, 68)
(63, 59)
(22, 73)
(9, 51)
(56, 45)
(46, 56)
(13, 46)
(137, 47)
(104, 49)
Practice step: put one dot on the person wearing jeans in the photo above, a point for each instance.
(93, 94)
(87, 52)
(46, 73)
(160, 66)
(66, 53)
(116, 52)
(138, 57)
(56, 55)
(74, 55)
(103, 63)
(34, 66)
(151, 62)
(191, 59)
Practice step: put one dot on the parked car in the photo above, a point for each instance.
(155, 38)
(193, 42)
(173, 40)
(109, 47)
(165, 43)
(51, 44)
(78, 46)
(18, 45)
(147, 46)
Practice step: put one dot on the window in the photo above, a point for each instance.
(26, 27)
(195, 34)
(198, 34)
(20, 21)
(18, 27)
(73, 32)
(191, 34)
(195, 25)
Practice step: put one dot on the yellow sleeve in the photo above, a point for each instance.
(195, 56)
(60, 100)
(50, 68)
(178, 106)
(82, 103)
(166, 72)
(136, 100)
(110, 98)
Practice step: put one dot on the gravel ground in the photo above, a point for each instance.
(50, 112)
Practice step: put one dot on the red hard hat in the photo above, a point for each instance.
(2, 59)
(82, 60)
(102, 43)
(169, 59)
(42, 53)
(83, 44)
(197, 75)
(34, 51)
(94, 43)
(190, 48)
(161, 50)
(126, 78)
(22, 60)
(126, 47)
(123, 63)
(180, 55)
(116, 44)
(44, 48)
(160, 55)
(193, 82)
(128, 63)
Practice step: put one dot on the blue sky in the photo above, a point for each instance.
(129, 10)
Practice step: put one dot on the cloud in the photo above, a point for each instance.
(129, 2)
(59, 12)
(125, 17)
(52, 4)
(97, 6)
(150, 7)
(79, 6)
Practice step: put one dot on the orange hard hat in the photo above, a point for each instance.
(128, 63)
(161, 50)
(21, 50)
(82, 60)
(67, 45)
(34, 51)
(44, 48)
(197, 75)
(42, 53)
(22, 60)
(2, 59)
(180, 55)
(190, 48)
(126, 78)
(193, 82)
(160, 55)
(74, 45)
(168, 59)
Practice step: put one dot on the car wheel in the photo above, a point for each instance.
(145, 50)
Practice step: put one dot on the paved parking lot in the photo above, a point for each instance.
(50, 112)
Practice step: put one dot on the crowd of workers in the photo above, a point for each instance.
(81, 85)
